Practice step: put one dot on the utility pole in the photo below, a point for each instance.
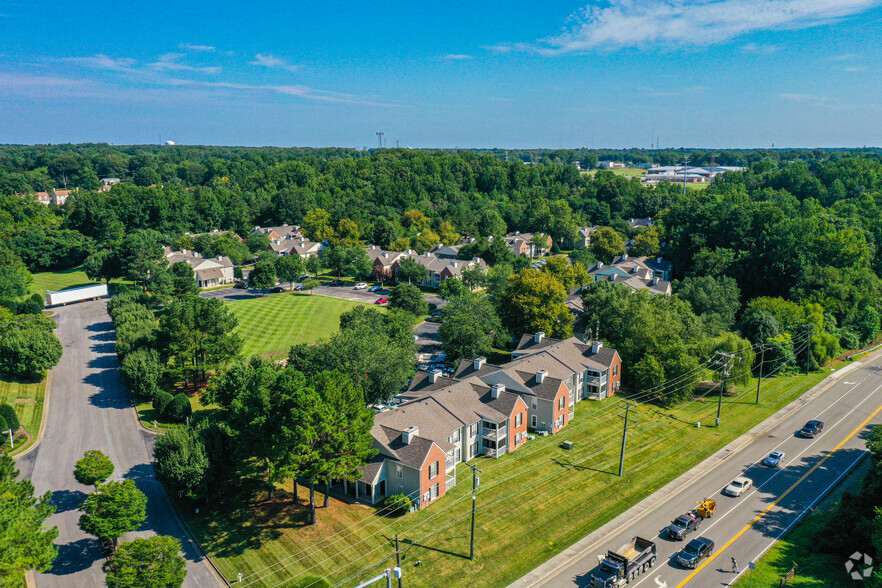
(380, 139)
(476, 480)
(809, 331)
(762, 362)
(724, 360)
(397, 559)
(685, 171)
(628, 420)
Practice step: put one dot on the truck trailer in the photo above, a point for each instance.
(622, 566)
(76, 294)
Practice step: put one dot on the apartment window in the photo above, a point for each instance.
(400, 489)
(399, 471)
(488, 425)
(615, 370)
(519, 419)
(473, 449)
(533, 423)
(433, 470)
(560, 403)
(455, 437)
(535, 404)
(433, 493)
(473, 429)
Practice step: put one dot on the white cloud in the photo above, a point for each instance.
(632, 23)
(456, 57)
(760, 49)
(204, 48)
(169, 62)
(807, 99)
(268, 60)
(102, 61)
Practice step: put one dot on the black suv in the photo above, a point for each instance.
(277, 289)
(695, 551)
(811, 429)
(682, 526)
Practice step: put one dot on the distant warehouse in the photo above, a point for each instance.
(76, 294)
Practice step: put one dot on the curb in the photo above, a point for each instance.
(591, 542)
(43, 419)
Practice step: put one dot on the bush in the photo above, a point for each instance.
(161, 402)
(398, 504)
(9, 417)
(3, 427)
(141, 371)
(179, 408)
(32, 305)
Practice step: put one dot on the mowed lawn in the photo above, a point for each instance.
(532, 503)
(27, 399)
(270, 325)
(62, 280)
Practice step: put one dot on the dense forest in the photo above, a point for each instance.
(792, 241)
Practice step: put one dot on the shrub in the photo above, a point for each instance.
(9, 417)
(3, 427)
(32, 305)
(179, 408)
(161, 402)
(141, 371)
(398, 503)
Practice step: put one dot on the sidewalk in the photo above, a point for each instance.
(595, 541)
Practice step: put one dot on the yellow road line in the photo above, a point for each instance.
(779, 499)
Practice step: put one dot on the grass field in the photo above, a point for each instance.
(52, 281)
(270, 325)
(532, 503)
(27, 399)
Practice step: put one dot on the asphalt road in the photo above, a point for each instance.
(89, 409)
(746, 527)
(345, 292)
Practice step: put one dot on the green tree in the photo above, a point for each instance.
(535, 301)
(103, 265)
(409, 298)
(93, 468)
(114, 510)
(317, 225)
(447, 233)
(451, 288)
(141, 372)
(27, 542)
(347, 234)
(474, 276)
(570, 275)
(154, 561)
(647, 243)
(263, 276)
(716, 300)
(289, 268)
(314, 265)
(471, 327)
(181, 459)
(310, 284)
(412, 271)
(606, 244)
(257, 242)
(141, 256)
(27, 352)
(183, 280)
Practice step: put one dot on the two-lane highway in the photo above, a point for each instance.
(746, 526)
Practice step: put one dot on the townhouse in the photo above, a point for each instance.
(523, 244)
(276, 234)
(638, 273)
(387, 263)
(297, 246)
(208, 271)
(481, 410)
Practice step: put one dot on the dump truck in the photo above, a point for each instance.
(76, 294)
(629, 561)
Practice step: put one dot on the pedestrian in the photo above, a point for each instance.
(734, 566)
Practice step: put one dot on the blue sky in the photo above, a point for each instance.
(703, 73)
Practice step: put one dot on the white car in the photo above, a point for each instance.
(360, 286)
(738, 486)
(774, 459)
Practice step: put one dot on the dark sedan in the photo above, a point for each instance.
(695, 551)
(811, 429)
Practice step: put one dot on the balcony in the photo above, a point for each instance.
(451, 481)
(595, 380)
(495, 434)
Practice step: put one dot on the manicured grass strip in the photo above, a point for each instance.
(271, 324)
(61, 280)
(27, 400)
(532, 503)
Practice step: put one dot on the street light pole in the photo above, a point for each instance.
(11, 442)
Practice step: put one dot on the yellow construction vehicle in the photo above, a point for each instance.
(706, 508)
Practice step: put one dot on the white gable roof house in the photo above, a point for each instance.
(209, 272)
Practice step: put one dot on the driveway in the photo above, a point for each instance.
(89, 409)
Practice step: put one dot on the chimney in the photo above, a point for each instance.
(624, 257)
(540, 376)
(434, 375)
(218, 257)
(596, 346)
(408, 434)
(599, 265)
(654, 281)
(537, 338)
(495, 389)
(479, 362)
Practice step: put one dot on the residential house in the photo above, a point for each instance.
(208, 272)
(53, 196)
(446, 251)
(610, 165)
(482, 410)
(387, 263)
(583, 238)
(297, 246)
(276, 234)
(522, 244)
(637, 273)
(639, 223)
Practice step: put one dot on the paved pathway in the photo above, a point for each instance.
(89, 409)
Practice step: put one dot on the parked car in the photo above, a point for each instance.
(335, 283)
(682, 526)
(304, 277)
(811, 429)
(299, 288)
(433, 306)
(695, 551)
(360, 286)
(375, 288)
(277, 289)
(738, 486)
(774, 459)
(240, 285)
(382, 300)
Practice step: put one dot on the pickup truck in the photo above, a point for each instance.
(682, 526)
(622, 566)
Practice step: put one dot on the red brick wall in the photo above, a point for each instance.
(426, 483)
(613, 380)
(564, 393)
(520, 408)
